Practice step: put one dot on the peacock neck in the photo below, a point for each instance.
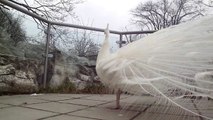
(105, 50)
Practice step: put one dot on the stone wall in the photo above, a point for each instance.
(21, 75)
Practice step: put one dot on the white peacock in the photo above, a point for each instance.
(175, 63)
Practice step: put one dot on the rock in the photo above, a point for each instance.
(83, 77)
(15, 78)
(8, 80)
(3, 61)
(7, 69)
(14, 84)
(24, 78)
(80, 85)
(21, 74)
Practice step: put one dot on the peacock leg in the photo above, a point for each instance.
(118, 94)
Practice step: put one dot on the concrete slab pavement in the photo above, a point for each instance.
(94, 107)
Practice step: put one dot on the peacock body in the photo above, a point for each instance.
(173, 63)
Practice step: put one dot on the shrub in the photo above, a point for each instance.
(66, 87)
(95, 88)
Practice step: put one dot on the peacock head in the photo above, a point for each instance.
(106, 31)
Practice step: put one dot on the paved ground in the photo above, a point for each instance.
(87, 107)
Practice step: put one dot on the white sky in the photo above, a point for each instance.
(100, 12)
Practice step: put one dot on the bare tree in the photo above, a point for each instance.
(12, 26)
(154, 15)
(83, 44)
(50, 9)
(57, 10)
(208, 3)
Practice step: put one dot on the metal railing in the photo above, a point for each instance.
(50, 23)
